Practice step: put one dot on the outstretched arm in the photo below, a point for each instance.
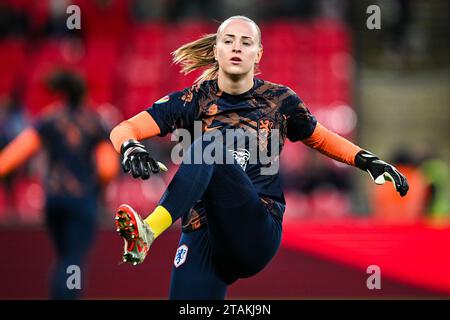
(340, 149)
(19, 150)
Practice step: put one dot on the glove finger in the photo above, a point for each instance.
(153, 165)
(404, 189)
(377, 170)
(144, 169)
(135, 167)
(400, 183)
(393, 177)
(126, 165)
(162, 167)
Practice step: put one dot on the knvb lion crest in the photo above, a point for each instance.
(180, 255)
(265, 127)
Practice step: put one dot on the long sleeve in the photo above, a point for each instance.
(141, 126)
(19, 150)
(332, 145)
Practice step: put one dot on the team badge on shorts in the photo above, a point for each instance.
(162, 100)
(180, 255)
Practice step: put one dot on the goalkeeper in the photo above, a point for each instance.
(231, 213)
(80, 160)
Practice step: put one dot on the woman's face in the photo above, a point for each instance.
(237, 48)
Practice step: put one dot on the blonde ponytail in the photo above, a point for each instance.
(198, 54)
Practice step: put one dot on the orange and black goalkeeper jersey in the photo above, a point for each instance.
(265, 107)
(70, 139)
(267, 114)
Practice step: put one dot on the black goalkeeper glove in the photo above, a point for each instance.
(137, 159)
(381, 171)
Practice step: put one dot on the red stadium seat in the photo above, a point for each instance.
(28, 199)
(140, 195)
(188, 31)
(46, 58)
(150, 38)
(108, 20)
(12, 64)
(37, 11)
(139, 99)
(4, 207)
(100, 77)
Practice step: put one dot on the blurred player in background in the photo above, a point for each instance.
(80, 159)
(231, 213)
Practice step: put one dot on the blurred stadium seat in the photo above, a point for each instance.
(4, 207)
(12, 64)
(106, 19)
(100, 65)
(45, 58)
(28, 199)
(142, 196)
